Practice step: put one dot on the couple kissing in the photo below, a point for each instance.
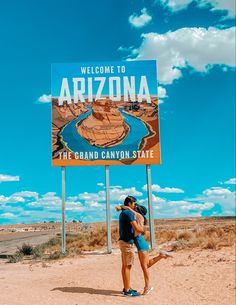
(132, 223)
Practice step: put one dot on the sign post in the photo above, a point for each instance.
(150, 207)
(63, 196)
(108, 211)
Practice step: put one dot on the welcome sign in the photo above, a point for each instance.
(105, 113)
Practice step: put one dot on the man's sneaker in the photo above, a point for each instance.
(123, 291)
(131, 293)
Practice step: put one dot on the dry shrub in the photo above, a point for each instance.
(207, 236)
(17, 257)
(210, 243)
(38, 252)
(186, 235)
(98, 238)
(55, 255)
(196, 242)
(87, 248)
(180, 245)
(166, 235)
(115, 234)
(26, 249)
(228, 241)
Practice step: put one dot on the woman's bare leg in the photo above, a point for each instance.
(156, 259)
(144, 259)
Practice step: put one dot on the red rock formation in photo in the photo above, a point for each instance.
(148, 113)
(62, 115)
(105, 127)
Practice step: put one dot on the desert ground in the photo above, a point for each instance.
(200, 273)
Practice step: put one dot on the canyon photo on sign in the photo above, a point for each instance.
(105, 113)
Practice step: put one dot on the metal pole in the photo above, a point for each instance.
(108, 211)
(63, 199)
(150, 207)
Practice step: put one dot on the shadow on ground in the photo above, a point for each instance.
(88, 290)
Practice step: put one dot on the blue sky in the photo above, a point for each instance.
(194, 43)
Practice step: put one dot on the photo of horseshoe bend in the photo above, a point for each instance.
(117, 123)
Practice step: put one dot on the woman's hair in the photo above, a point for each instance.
(142, 210)
(129, 199)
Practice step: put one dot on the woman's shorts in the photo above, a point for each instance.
(141, 243)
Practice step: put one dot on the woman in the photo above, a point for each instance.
(143, 247)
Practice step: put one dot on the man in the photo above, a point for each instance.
(127, 225)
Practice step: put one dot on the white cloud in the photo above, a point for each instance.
(220, 196)
(74, 203)
(158, 189)
(156, 199)
(45, 98)
(95, 204)
(216, 191)
(118, 194)
(100, 184)
(161, 94)
(126, 49)
(220, 5)
(116, 187)
(8, 178)
(100, 196)
(48, 200)
(175, 5)
(190, 206)
(180, 208)
(178, 202)
(75, 206)
(228, 6)
(26, 194)
(198, 206)
(11, 199)
(72, 198)
(141, 20)
(199, 48)
(15, 199)
(230, 181)
(8, 215)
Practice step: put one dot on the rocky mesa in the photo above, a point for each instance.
(105, 127)
(62, 115)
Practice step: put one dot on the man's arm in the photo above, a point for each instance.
(123, 207)
(137, 227)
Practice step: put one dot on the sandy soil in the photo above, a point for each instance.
(193, 277)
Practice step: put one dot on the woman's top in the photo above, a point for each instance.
(140, 221)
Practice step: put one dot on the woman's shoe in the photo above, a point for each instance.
(165, 254)
(147, 290)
